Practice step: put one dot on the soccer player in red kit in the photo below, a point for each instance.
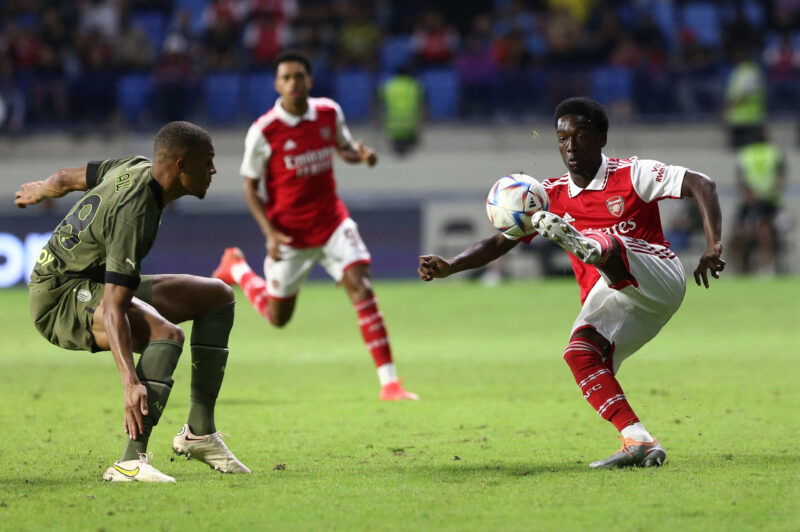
(291, 149)
(604, 212)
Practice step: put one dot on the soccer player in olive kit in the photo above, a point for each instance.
(86, 293)
(604, 212)
(291, 149)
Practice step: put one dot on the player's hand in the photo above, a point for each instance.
(367, 155)
(274, 241)
(709, 262)
(31, 193)
(135, 409)
(433, 267)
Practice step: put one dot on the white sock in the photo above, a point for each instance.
(238, 270)
(387, 373)
(636, 431)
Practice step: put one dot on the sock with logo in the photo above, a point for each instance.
(597, 382)
(155, 368)
(209, 346)
(253, 286)
(376, 339)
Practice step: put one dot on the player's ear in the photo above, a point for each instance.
(310, 81)
(603, 140)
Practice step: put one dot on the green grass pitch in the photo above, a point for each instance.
(500, 440)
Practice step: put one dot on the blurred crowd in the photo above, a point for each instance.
(96, 63)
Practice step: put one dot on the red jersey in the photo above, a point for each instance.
(622, 199)
(294, 156)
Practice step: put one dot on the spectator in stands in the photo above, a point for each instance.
(268, 30)
(434, 43)
(49, 90)
(12, 99)
(359, 37)
(698, 78)
(513, 81)
(176, 75)
(221, 44)
(402, 100)
(782, 63)
(93, 93)
(745, 99)
(476, 72)
(133, 49)
(761, 178)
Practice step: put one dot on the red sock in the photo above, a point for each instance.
(255, 288)
(373, 331)
(597, 382)
(605, 240)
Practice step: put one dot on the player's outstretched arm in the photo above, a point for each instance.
(478, 254)
(359, 153)
(704, 191)
(58, 184)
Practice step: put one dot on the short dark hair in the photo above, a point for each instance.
(176, 139)
(580, 105)
(291, 56)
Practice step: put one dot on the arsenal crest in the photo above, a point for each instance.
(325, 133)
(615, 205)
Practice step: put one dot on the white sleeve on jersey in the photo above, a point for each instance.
(343, 137)
(256, 153)
(654, 180)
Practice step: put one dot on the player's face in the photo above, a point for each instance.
(580, 144)
(197, 170)
(293, 82)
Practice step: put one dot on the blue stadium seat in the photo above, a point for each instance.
(611, 85)
(133, 96)
(663, 14)
(354, 90)
(395, 52)
(441, 92)
(154, 23)
(196, 10)
(260, 94)
(223, 92)
(702, 18)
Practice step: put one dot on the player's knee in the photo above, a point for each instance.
(222, 292)
(168, 331)
(278, 321)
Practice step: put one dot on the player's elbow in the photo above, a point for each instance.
(698, 185)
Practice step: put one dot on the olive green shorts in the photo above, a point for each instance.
(63, 308)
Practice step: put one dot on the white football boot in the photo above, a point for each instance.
(556, 229)
(209, 449)
(135, 470)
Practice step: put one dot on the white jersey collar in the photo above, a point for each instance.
(598, 182)
(292, 120)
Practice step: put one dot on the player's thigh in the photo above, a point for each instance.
(344, 250)
(180, 297)
(63, 310)
(284, 277)
(620, 317)
(146, 324)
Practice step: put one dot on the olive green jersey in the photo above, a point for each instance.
(106, 234)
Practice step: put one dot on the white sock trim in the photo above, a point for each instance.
(636, 431)
(387, 373)
(238, 270)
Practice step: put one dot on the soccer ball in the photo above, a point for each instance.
(512, 201)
